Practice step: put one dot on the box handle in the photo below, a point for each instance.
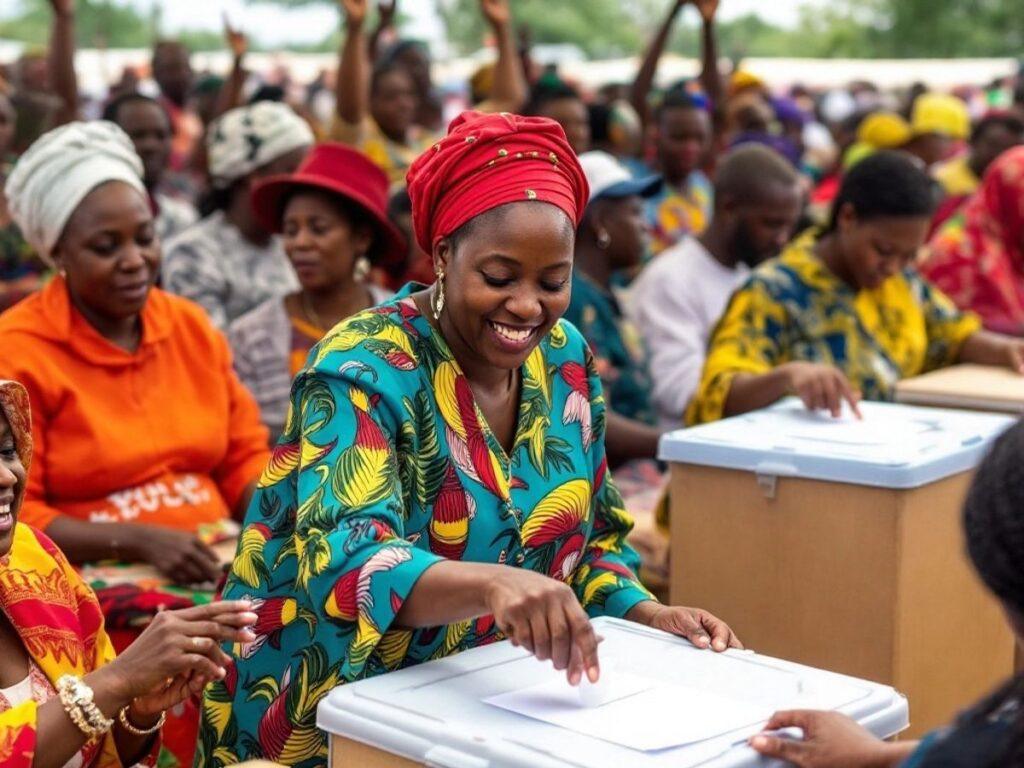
(768, 473)
(441, 756)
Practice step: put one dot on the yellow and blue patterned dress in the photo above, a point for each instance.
(386, 467)
(793, 308)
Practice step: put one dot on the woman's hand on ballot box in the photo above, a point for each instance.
(830, 740)
(698, 626)
(544, 616)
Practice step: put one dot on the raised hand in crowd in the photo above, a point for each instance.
(237, 40)
(355, 11)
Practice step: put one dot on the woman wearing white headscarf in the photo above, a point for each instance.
(228, 262)
(142, 431)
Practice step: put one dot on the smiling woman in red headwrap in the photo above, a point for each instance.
(444, 463)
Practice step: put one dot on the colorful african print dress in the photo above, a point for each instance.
(386, 467)
(793, 308)
(59, 621)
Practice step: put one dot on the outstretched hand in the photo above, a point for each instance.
(496, 12)
(235, 38)
(386, 10)
(355, 10)
(707, 9)
(63, 7)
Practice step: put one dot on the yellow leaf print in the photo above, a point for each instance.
(598, 583)
(444, 390)
(561, 511)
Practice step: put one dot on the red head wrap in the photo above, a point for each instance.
(486, 161)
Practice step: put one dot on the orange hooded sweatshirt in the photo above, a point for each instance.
(165, 435)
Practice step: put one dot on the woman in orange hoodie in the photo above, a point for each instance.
(143, 433)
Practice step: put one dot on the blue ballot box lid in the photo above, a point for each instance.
(439, 714)
(893, 446)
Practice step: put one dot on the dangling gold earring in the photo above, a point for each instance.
(361, 269)
(438, 298)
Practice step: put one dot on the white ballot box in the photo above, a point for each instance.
(662, 702)
(974, 387)
(837, 543)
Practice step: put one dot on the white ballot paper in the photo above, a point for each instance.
(635, 712)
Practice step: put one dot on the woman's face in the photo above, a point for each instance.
(874, 250)
(508, 281)
(149, 129)
(416, 63)
(12, 483)
(571, 113)
(109, 251)
(625, 222)
(321, 241)
(393, 102)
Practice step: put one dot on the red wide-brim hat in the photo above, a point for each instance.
(344, 171)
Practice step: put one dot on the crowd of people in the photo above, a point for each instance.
(408, 354)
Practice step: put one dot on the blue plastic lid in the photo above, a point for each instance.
(894, 446)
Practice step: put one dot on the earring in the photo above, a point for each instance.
(603, 240)
(438, 298)
(361, 269)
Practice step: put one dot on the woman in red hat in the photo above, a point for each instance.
(332, 215)
(442, 483)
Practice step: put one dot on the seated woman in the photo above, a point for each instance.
(842, 314)
(143, 432)
(54, 651)
(991, 734)
(442, 480)
(977, 257)
(333, 214)
(613, 236)
(228, 262)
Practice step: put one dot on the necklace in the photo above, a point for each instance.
(309, 312)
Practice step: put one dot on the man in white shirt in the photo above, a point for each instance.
(680, 296)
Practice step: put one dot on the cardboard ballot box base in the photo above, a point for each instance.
(870, 582)
(346, 753)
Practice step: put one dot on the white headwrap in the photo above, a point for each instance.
(61, 167)
(247, 138)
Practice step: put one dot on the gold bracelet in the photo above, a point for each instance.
(122, 717)
(77, 700)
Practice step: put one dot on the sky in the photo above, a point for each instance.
(275, 25)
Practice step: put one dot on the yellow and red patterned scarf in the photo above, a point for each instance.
(54, 612)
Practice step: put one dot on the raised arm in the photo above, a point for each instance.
(510, 90)
(710, 79)
(645, 76)
(62, 59)
(231, 93)
(353, 81)
(385, 20)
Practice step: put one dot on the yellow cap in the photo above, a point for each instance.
(743, 80)
(481, 83)
(940, 113)
(884, 130)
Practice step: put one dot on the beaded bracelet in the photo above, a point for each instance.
(77, 700)
(128, 725)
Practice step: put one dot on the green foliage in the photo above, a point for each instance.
(606, 28)
(836, 28)
(599, 27)
(98, 23)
